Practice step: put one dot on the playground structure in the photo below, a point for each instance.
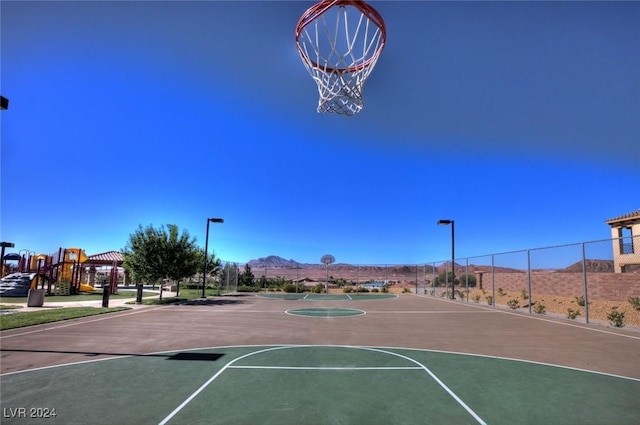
(67, 271)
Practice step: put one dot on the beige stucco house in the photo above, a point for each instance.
(625, 234)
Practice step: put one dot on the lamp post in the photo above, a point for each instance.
(206, 248)
(453, 252)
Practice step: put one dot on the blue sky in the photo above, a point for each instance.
(519, 120)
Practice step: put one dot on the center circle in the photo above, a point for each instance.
(325, 312)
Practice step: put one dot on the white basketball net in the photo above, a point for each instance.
(339, 48)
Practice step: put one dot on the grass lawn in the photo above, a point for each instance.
(30, 318)
(185, 295)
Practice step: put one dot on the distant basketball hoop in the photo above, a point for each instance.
(340, 42)
(328, 259)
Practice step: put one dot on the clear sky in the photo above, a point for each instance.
(519, 120)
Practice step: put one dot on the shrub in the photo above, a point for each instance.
(616, 318)
(318, 289)
(476, 298)
(347, 289)
(362, 289)
(244, 288)
(572, 314)
(513, 304)
(635, 302)
(580, 301)
(524, 294)
(447, 293)
(489, 299)
(501, 292)
(539, 308)
(289, 287)
(384, 289)
(375, 290)
(406, 290)
(467, 279)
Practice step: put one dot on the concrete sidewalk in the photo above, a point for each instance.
(113, 302)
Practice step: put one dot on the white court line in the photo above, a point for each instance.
(229, 365)
(442, 384)
(325, 368)
(430, 312)
(210, 380)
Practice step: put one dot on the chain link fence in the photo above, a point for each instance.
(594, 282)
(591, 282)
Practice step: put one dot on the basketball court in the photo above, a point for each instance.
(292, 359)
(246, 359)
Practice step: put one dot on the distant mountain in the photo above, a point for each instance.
(274, 261)
(592, 266)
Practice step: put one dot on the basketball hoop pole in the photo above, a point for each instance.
(326, 282)
(326, 260)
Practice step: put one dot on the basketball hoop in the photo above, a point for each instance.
(340, 42)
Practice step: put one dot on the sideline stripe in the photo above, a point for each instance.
(459, 353)
(430, 312)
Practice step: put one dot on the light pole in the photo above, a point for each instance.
(453, 252)
(206, 248)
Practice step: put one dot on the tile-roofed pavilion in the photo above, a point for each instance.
(106, 258)
(109, 258)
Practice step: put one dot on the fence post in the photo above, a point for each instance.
(466, 276)
(529, 279)
(585, 286)
(493, 281)
(433, 282)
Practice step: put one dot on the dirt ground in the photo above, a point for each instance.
(554, 305)
(559, 305)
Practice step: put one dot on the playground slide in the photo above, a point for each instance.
(86, 288)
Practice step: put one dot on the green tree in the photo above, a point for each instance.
(152, 254)
(444, 279)
(181, 255)
(246, 277)
(214, 265)
(142, 255)
(464, 278)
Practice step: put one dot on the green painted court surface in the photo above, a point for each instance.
(320, 385)
(316, 363)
